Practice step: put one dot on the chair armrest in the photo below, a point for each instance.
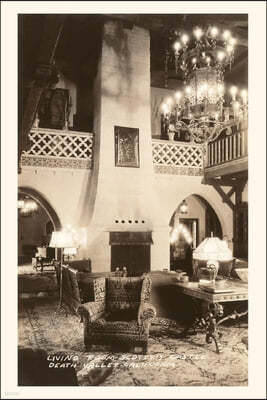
(92, 310)
(146, 313)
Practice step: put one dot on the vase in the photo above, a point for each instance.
(171, 135)
(213, 268)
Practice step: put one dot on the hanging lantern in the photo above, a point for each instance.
(27, 207)
(183, 207)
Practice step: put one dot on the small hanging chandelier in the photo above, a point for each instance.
(200, 108)
(183, 207)
(27, 207)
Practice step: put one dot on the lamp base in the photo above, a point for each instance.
(207, 272)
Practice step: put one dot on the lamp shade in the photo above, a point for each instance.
(213, 248)
(61, 239)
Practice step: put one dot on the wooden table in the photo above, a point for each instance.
(209, 308)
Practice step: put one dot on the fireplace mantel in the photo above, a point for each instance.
(130, 238)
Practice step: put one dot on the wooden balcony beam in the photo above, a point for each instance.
(233, 167)
(231, 192)
(220, 181)
(225, 197)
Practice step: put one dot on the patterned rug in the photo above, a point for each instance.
(171, 361)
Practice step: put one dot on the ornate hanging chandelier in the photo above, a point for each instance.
(200, 109)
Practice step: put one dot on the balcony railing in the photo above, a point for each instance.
(69, 149)
(57, 148)
(230, 148)
(177, 158)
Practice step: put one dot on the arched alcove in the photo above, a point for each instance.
(188, 229)
(40, 199)
(35, 227)
(213, 224)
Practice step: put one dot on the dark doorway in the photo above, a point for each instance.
(136, 258)
(213, 225)
(35, 229)
(182, 248)
(241, 230)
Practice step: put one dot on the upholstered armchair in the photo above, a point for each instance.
(78, 287)
(120, 313)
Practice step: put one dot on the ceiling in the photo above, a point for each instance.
(78, 48)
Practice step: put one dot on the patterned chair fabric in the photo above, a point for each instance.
(123, 294)
(71, 294)
(78, 287)
(120, 314)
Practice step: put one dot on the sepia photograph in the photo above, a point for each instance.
(132, 181)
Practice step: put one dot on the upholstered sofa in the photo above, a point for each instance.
(120, 314)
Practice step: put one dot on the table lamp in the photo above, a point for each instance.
(69, 252)
(212, 250)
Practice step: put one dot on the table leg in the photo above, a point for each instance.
(215, 311)
(197, 322)
(206, 322)
(208, 317)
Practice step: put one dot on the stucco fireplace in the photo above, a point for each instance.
(131, 250)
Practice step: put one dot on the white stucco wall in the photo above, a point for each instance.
(64, 189)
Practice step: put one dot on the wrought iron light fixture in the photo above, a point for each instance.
(27, 207)
(183, 207)
(199, 109)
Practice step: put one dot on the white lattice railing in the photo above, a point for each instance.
(59, 148)
(178, 154)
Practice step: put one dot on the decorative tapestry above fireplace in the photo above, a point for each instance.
(130, 238)
(126, 147)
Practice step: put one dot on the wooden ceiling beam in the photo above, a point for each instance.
(160, 23)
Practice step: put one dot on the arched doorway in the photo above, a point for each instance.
(189, 226)
(37, 219)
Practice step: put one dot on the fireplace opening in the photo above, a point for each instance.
(131, 250)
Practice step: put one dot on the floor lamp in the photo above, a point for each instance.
(61, 240)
